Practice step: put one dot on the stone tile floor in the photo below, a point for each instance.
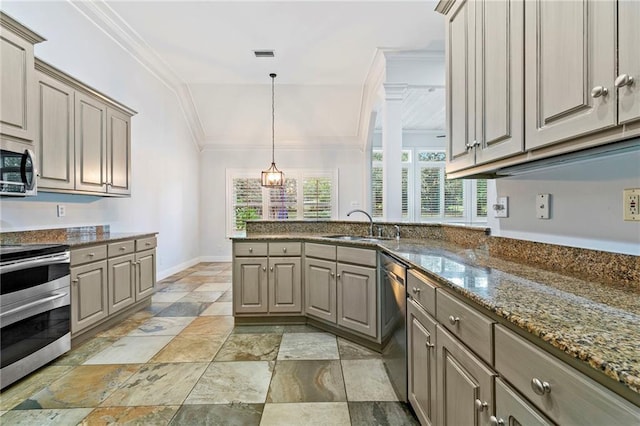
(183, 362)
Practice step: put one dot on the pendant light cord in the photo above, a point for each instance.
(273, 119)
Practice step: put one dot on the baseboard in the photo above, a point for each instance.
(184, 265)
(215, 258)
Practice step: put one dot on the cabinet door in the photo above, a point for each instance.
(320, 289)
(91, 144)
(356, 287)
(55, 138)
(119, 152)
(250, 285)
(511, 409)
(499, 79)
(629, 60)
(145, 273)
(285, 285)
(570, 49)
(465, 384)
(122, 289)
(461, 102)
(89, 295)
(17, 111)
(421, 363)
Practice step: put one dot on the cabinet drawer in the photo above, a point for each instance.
(322, 251)
(120, 248)
(250, 249)
(285, 249)
(146, 243)
(88, 254)
(422, 290)
(570, 398)
(473, 328)
(513, 409)
(358, 256)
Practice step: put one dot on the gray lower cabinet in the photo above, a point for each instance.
(356, 288)
(421, 363)
(320, 289)
(465, 384)
(250, 285)
(89, 295)
(285, 289)
(121, 276)
(512, 409)
(145, 273)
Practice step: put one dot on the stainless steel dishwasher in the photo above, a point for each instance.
(394, 330)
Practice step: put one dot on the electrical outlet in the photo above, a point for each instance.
(62, 210)
(631, 204)
(501, 207)
(542, 206)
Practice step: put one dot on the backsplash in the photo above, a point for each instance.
(52, 235)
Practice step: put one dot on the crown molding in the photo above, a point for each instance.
(317, 144)
(107, 20)
(7, 22)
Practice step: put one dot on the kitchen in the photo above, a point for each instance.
(185, 208)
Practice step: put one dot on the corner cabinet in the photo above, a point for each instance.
(267, 278)
(17, 97)
(484, 81)
(84, 138)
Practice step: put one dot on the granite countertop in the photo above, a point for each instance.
(74, 239)
(594, 322)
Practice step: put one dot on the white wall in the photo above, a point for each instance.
(586, 205)
(165, 178)
(215, 245)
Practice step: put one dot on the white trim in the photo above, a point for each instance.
(215, 258)
(320, 144)
(108, 21)
(177, 268)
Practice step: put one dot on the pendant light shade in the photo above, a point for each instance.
(272, 177)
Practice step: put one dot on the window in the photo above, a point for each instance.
(426, 193)
(306, 194)
(376, 183)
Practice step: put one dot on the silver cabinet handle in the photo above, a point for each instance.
(430, 345)
(123, 248)
(264, 269)
(91, 254)
(332, 275)
(147, 243)
(453, 320)
(494, 421)
(416, 290)
(540, 387)
(271, 269)
(623, 80)
(598, 91)
(250, 249)
(284, 249)
(480, 406)
(338, 276)
(468, 145)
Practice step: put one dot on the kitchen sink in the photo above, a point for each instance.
(356, 238)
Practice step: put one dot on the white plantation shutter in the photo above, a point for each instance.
(453, 198)
(481, 198)
(376, 191)
(405, 192)
(283, 201)
(430, 192)
(376, 185)
(317, 197)
(246, 201)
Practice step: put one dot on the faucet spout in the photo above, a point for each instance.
(368, 215)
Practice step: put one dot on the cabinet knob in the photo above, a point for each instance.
(91, 254)
(430, 345)
(74, 281)
(284, 249)
(540, 387)
(494, 421)
(598, 91)
(332, 275)
(264, 269)
(416, 290)
(480, 406)
(469, 145)
(271, 269)
(338, 276)
(250, 249)
(623, 80)
(147, 243)
(453, 320)
(123, 248)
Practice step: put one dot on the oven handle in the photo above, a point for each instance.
(32, 304)
(39, 261)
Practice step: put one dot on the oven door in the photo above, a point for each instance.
(18, 174)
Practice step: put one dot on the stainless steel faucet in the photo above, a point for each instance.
(370, 219)
(397, 232)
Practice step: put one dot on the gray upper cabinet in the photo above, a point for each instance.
(570, 58)
(118, 152)
(91, 144)
(17, 97)
(56, 133)
(485, 81)
(628, 62)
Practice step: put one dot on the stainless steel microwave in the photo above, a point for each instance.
(18, 174)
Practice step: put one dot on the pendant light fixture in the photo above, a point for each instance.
(272, 177)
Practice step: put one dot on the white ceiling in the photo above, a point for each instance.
(323, 53)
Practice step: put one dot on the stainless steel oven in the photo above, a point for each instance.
(35, 310)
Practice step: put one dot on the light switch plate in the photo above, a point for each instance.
(501, 207)
(631, 204)
(542, 206)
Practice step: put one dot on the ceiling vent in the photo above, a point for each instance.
(264, 53)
